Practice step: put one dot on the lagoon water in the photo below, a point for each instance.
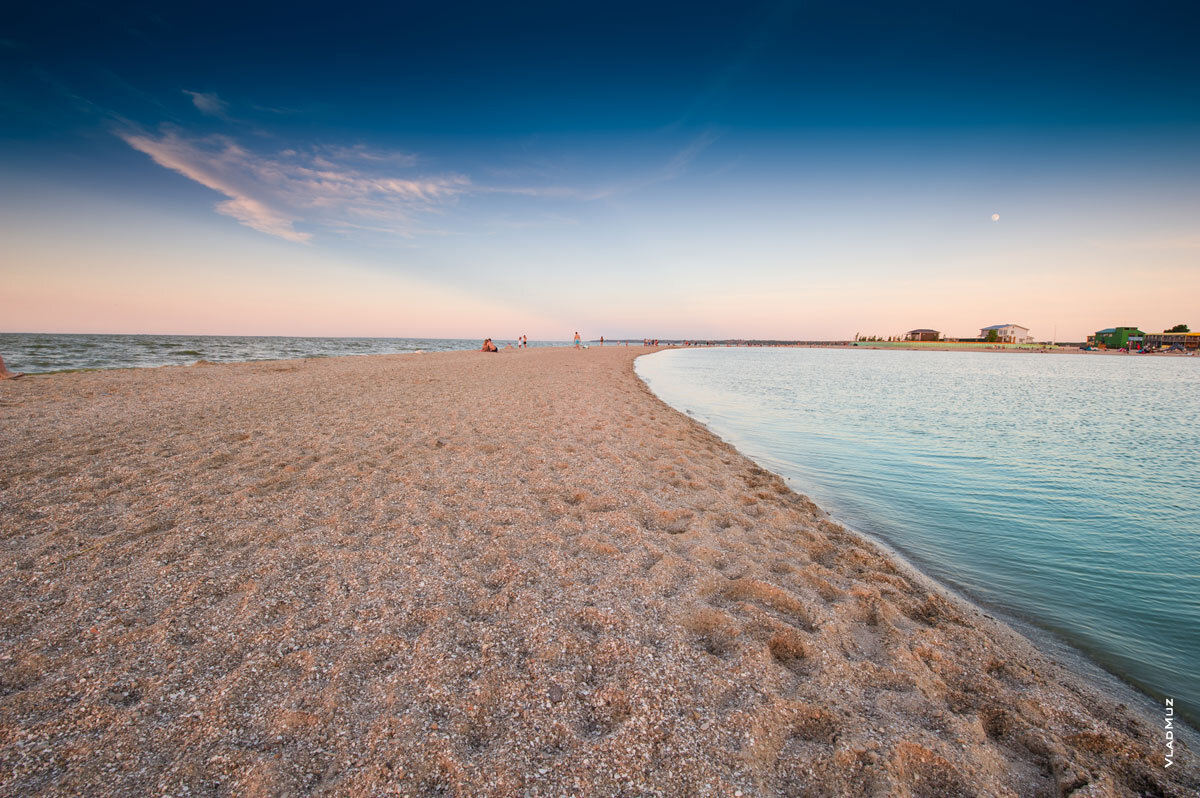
(1062, 490)
(43, 352)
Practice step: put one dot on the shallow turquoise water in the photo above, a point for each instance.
(1061, 489)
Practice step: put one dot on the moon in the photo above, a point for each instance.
(995, 217)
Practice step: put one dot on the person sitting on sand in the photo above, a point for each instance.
(5, 374)
(488, 346)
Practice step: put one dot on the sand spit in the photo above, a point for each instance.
(470, 574)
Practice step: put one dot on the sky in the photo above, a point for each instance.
(685, 170)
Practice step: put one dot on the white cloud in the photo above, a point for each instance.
(324, 187)
(209, 103)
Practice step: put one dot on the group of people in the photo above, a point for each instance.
(523, 343)
(645, 341)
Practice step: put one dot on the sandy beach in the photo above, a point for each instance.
(471, 574)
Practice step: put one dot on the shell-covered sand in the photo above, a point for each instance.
(474, 574)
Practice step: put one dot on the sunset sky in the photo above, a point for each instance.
(785, 170)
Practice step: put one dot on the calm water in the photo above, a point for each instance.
(1061, 489)
(36, 352)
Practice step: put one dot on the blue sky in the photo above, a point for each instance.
(753, 169)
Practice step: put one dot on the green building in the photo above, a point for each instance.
(1118, 337)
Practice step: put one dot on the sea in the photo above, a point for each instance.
(1060, 491)
(42, 352)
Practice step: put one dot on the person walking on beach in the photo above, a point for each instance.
(577, 339)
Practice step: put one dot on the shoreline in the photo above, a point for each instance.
(1049, 643)
(58, 353)
(1076, 661)
(898, 346)
(515, 544)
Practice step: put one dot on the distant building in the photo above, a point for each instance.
(1165, 340)
(1008, 334)
(1119, 337)
(922, 335)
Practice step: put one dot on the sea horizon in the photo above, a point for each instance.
(53, 352)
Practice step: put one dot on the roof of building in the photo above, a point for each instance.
(1002, 326)
(910, 332)
(1109, 331)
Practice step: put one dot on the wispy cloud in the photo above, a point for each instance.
(675, 167)
(361, 152)
(283, 193)
(683, 159)
(209, 103)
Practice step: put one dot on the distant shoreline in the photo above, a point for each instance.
(56, 353)
(1052, 349)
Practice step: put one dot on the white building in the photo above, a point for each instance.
(1008, 333)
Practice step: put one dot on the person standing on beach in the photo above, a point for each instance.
(577, 339)
(5, 374)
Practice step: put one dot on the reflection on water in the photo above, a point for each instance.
(1063, 489)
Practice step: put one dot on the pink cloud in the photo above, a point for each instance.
(335, 188)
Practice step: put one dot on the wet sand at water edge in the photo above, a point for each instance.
(483, 574)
